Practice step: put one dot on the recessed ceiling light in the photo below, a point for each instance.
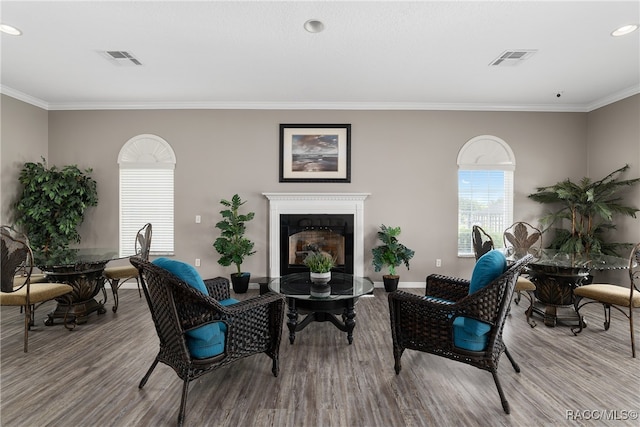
(313, 26)
(8, 29)
(624, 30)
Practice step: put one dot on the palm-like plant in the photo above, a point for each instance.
(589, 206)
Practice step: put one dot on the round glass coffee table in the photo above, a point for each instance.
(345, 290)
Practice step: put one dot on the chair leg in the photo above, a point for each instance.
(515, 365)
(148, 374)
(397, 354)
(503, 399)
(183, 403)
(27, 325)
(139, 289)
(275, 368)
(529, 311)
(114, 291)
(633, 344)
(607, 316)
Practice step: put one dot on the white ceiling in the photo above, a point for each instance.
(372, 55)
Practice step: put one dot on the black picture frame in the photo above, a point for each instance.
(315, 153)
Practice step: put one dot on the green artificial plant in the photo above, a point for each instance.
(53, 203)
(391, 253)
(588, 208)
(319, 262)
(232, 246)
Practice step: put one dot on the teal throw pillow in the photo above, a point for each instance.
(489, 267)
(184, 272)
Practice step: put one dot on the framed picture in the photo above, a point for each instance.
(315, 153)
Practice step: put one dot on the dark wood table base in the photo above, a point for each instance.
(321, 310)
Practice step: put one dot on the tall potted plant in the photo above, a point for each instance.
(588, 208)
(53, 203)
(232, 245)
(390, 254)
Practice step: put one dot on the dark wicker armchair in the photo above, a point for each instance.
(427, 323)
(252, 326)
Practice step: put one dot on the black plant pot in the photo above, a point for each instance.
(240, 282)
(390, 282)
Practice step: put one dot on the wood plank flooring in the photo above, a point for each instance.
(89, 376)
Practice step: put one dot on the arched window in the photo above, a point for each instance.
(485, 189)
(146, 164)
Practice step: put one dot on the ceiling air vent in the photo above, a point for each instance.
(121, 57)
(509, 58)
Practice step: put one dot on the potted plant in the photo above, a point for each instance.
(320, 265)
(588, 208)
(390, 254)
(52, 205)
(232, 245)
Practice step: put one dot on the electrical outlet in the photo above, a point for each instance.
(197, 262)
(198, 219)
(438, 262)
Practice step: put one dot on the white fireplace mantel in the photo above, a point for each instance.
(316, 203)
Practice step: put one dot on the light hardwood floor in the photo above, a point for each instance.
(90, 376)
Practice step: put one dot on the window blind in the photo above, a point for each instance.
(146, 195)
(485, 198)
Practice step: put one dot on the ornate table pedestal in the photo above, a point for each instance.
(554, 292)
(87, 281)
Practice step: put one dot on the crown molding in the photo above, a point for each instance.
(362, 106)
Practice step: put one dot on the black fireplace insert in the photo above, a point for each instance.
(301, 234)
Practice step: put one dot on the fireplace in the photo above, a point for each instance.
(303, 222)
(302, 234)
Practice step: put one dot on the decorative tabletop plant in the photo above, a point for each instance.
(320, 265)
(232, 246)
(319, 262)
(52, 205)
(390, 255)
(589, 208)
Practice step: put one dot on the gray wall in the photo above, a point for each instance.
(24, 131)
(405, 159)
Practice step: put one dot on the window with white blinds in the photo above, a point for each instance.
(146, 195)
(147, 163)
(485, 190)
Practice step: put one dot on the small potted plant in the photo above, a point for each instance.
(390, 254)
(320, 265)
(232, 245)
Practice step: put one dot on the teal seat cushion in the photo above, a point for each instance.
(468, 341)
(206, 340)
(489, 267)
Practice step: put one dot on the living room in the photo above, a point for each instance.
(403, 153)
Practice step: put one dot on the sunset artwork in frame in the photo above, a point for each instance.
(315, 153)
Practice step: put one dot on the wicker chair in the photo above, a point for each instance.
(253, 326)
(119, 274)
(519, 239)
(621, 298)
(17, 288)
(482, 242)
(426, 323)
